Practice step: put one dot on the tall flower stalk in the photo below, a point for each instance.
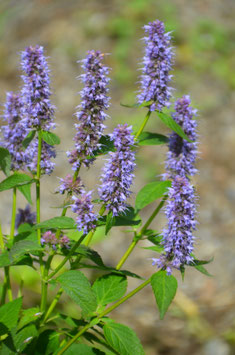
(117, 175)
(178, 238)
(91, 112)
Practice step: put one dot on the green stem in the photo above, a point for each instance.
(1, 239)
(44, 283)
(142, 126)
(63, 262)
(38, 176)
(140, 234)
(13, 216)
(102, 314)
(53, 304)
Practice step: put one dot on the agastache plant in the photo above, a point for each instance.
(59, 248)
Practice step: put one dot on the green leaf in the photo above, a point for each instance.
(5, 161)
(4, 259)
(48, 342)
(57, 223)
(26, 191)
(107, 145)
(9, 314)
(24, 337)
(50, 138)
(29, 315)
(15, 180)
(122, 339)
(109, 288)
(82, 349)
(23, 247)
(148, 138)
(203, 270)
(196, 262)
(30, 136)
(151, 192)
(170, 123)
(77, 286)
(112, 269)
(164, 287)
(90, 254)
(136, 105)
(156, 248)
(110, 221)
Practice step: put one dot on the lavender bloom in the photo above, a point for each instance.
(86, 216)
(25, 216)
(70, 186)
(38, 110)
(157, 63)
(182, 154)
(91, 115)
(178, 237)
(64, 242)
(118, 171)
(14, 131)
(50, 239)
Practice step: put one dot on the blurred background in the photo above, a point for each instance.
(202, 317)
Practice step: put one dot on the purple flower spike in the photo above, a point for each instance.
(14, 131)
(182, 154)
(49, 239)
(38, 110)
(86, 216)
(118, 174)
(25, 216)
(157, 64)
(70, 186)
(178, 237)
(91, 115)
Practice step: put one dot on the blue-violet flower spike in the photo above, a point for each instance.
(117, 175)
(182, 155)
(157, 63)
(91, 113)
(14, 131)
(83, 207)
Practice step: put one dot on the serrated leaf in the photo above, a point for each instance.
(109, 288)
(5, 161)
(148, 138)
(29, 315)
(23, 247)
(122, 339)
(137, 105)
(15, 180)
(50, 138)
(83, 349)
(77, 286)
(156, 239)
(24, 337)
(151, 192)
(28, 139)
(110, 221)
(9, 314)
(90, 254)
(48, 342)
(164, 287)
(26, 191)
(57, 223)
(4, 259)
(170, 123)
(111, 269)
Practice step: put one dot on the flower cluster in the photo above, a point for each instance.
(157, 64)
(117, 175)
(37, 110)
(86, 216)
(14, 131)
(178, 237)
(182, 154)
(69, 185)
(25, 216)
(91, 115)
(49, 238)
